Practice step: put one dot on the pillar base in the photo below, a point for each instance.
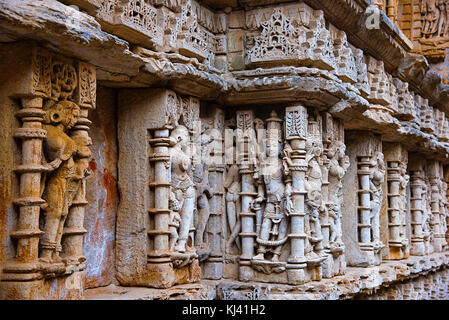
(163, 275)
(296, 274)
(212, 270)
(418, 249)
(397, 253)
(334, 265)
(246, 273)
(371, 255)
(67, 287)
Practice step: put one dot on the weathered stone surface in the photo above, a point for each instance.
(102, 193)
(234, 150)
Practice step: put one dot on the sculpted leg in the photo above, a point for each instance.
(203, 217)
(186, 220)
(48, 242)
(283, 229)
(55, 197)
(234, 225)
(264, 235)
(375, 223)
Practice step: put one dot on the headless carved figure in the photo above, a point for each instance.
(59, 193)
(232, 186)
(183, 191)
(313, 185)
(338, 165)
(431, 17)
(377, 180)
(204, 193)
(403, 182)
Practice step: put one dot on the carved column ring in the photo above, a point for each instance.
(30, 133)
(31, 112)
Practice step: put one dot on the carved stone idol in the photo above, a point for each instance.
(58, 193)
(275, 191)
(182, 195)
(377, 179)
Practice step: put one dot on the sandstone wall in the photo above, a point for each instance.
(102, 193)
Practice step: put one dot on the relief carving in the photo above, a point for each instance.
(275, 192)
(60, 190)
(182, 194)
(338, 165)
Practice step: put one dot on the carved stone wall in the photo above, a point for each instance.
(258, 147)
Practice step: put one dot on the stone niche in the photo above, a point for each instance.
(50, 96)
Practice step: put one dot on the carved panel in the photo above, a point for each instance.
(55, 153)
(292, 33)
(134, 20)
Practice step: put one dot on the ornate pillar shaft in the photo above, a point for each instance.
(325, 224)
(74, 227)
(416, 209)
(435, 223)
(245, 133)
(397, 181)
(296, 133)
(160, 158)
(27, 232)
(364, 207)
(394, 213)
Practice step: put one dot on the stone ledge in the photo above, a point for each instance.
(356, 281)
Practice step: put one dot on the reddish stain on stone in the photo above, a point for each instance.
(110, 184)
(93, 165)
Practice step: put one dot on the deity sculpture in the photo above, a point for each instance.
(404, 179)
(232, 187)
(182, 195)
(314, 200)
(203, 193)
(431, 16)
(426, 214)
(59, 192)
(442, 17)
(338, 165)
(376, 185)
(275, 191)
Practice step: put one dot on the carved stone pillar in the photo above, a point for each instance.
(417, 207)
(27, 232)
(160, 157)
(407, 290)
(245, 132)
(446, 199)
(397, 180)
(363, 199)
(295, 134)
(73, 232)
(433, 173)
(391, 10)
